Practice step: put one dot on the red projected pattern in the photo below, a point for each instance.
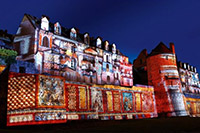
(21, 92)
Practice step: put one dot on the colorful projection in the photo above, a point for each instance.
(21, 92)
(80, 62)
(147, 102)
(127, 101)
(109, 100)
(138, 101)
(40, 99)
(72, 96)
(2, 68)
(51, 92)
(82, 98)
(97, 100)
(117, 105)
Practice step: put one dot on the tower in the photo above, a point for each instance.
(163, 75)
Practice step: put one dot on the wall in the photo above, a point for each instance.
(163, 75)
(44, 99)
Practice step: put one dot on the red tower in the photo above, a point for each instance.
(163, 75)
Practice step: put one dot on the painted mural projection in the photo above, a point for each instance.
(21, 118)
(189, 108)
(51, 92)
(138, 101)
(71, 97)
(97, 100)
(127, 101)
(82, 98)
(116, 97)
(50, 116)
(21, 92)
(147, 102)
(109, 100)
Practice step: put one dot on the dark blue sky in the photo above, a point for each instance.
(131, 24)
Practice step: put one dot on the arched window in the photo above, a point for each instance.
(45, 42)
(107, 68)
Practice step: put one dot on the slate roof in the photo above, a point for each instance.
(65, 32)
(160, 49)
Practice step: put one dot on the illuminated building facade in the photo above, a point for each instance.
(61, 75)
(56, 50)
(189, 78)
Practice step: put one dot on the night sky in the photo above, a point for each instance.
(132, 25)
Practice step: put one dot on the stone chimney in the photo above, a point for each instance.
(172, 47)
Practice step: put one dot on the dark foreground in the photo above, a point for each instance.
(172, 125)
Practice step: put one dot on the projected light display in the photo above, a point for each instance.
(63, 75)
(47, 99)
(75, 57)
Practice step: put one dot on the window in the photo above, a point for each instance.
(86, 38)
(73, 64)
(98, 43)
(107, 58)
(73, 34)
(107, 67)
(108, 79)
(45, 42)
(57, 28)
(114, 48)
(72, 49)
(106, 45)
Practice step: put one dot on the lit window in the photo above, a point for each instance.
(73, 34)
(45, 42)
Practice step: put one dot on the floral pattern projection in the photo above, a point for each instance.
(51, 92)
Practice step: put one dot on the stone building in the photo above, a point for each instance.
(162, 73)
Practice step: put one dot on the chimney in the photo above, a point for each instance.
(172, 47)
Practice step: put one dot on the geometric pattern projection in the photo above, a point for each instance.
(21, 92)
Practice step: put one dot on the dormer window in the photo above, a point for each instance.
(86, 39)
(45, 23)
(114, 48)
(57, 28)
(98, 43)
(45, 42)
(73, 34)
(106, 45)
